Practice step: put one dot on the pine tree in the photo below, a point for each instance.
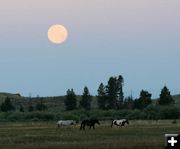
(30, 106)
(101, 98)
(128, 102)
(114, 92)
(111, 91)
(7, 105)
(144, 99)
(21, 109)
(40, 106)
(165, 97)
(85, 102)
(120, 83)
(70, 100)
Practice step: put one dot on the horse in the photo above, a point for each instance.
(65, 123)
(90, 123)
(121, 122)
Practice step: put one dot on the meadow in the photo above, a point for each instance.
(140, 134)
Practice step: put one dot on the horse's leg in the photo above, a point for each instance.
(81, 126)
(94, 126)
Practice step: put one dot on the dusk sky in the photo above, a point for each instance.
(138, 39)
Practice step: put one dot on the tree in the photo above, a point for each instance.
(21, 109)
(30, 106)
(111, 90)
(128, 102)
(120, 83)
(136, 104)
(114, 91)
(145, 99)
(70, 100)
(165, 97)
(101, 98)
(7, 105)
(85, 102)
(40, 106)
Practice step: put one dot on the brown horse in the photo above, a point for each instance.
(90, 123)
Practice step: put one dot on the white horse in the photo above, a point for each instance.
(121, 122)
(65, 123)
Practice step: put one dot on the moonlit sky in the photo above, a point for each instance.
(139, 39)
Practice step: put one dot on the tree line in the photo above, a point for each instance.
(111, 96)
(108, 97)
(7, 105)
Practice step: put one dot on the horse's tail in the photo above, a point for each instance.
(127, 122)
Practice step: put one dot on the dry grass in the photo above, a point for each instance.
(139, 135)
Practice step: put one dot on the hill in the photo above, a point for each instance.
(55, 103)
(177, 99)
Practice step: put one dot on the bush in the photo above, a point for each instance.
(169, 112)
(136, 114)
(39, 115)
(152, 112)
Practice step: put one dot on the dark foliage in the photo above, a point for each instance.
(85, 102)
(7, 105)
(101, 98)
(41, 106)
(70, 100)
(129, 103)
(21, 109)
(114, 92)
(165, 97)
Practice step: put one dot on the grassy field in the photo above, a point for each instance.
(138, 135)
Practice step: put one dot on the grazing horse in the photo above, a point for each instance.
(120, 122)
(65, 123)
(90, 123)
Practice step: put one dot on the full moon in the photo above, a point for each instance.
(57, 34)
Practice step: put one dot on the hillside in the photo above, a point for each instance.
(55, 103)
(177, 99)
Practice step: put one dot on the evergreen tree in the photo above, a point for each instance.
(70, 100)
(120, 83)
(101, 98)
(111, 90)
(136, 104)
(144, 99)
(129, 103)
(165, 97)
(30, 106)
(40, 106)
(114, 92)
(21, 109)
(85, 102)
(7, 105)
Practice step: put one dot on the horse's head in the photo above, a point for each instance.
(97, 121)
(127, 122)
(73, 122)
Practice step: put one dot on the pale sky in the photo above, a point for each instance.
(139, 39)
